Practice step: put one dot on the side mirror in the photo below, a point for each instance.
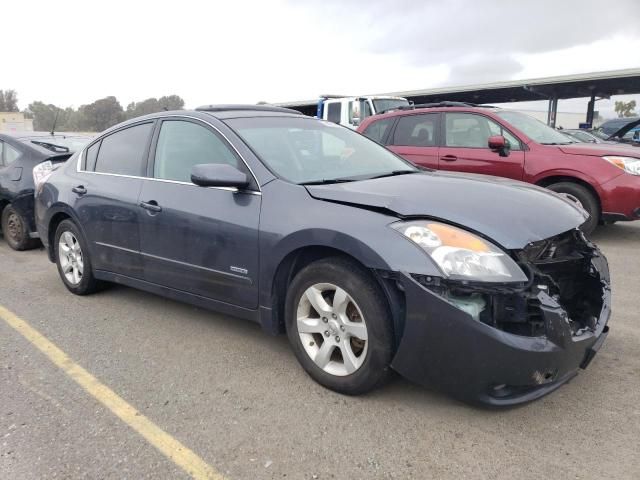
(218, 175)
(497, 143)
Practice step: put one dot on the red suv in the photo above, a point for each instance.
(604, 178)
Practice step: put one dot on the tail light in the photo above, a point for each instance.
(41, 174)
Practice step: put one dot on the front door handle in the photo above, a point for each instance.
(449, 158)
(152, 206)
(80, 190)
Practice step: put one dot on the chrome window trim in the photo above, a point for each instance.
(231, 189)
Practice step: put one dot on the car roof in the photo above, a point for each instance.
(433, 107)
(221, 112)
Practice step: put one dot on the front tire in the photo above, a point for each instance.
(586, 199)
(73, 261)
(15, 229)
(339, 326)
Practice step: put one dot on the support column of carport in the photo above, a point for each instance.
(553, 110)
(591, 109)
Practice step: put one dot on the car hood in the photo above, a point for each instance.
(599, 149)
(509, 212)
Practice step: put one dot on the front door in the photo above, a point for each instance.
(195, 239)
(465, 147)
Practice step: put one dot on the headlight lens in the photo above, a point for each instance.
(628, 164)
(460, 254)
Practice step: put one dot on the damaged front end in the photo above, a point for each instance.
(504, 344)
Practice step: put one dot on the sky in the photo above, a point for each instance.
(70, 53)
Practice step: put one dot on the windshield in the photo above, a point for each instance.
(303, 150)
(383, 104)
(534, 129)
(600, 134)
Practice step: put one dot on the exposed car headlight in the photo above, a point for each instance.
(628, 164)
(460, 254)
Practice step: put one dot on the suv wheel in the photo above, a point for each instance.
(339, 326)
(16, 230)
(587, 201)
(73, 261)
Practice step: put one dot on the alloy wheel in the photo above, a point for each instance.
(70, 257)
(332, 329)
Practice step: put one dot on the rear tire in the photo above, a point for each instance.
(73, 261)
(331, 305)
(15, 229)
(586, 199)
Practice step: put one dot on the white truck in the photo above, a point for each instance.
(347, 111)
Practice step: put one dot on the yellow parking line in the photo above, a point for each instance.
(169, 446)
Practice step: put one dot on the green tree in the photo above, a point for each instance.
(154, 105)
(625, 109)
(102, 114)
(8, 101)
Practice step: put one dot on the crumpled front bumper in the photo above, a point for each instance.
(443, 346)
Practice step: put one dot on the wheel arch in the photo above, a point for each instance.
(557, 178)
(56, 216)
(297, 259)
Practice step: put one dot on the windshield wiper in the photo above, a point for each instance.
(394, 173)
(557, 143)
(327, 181)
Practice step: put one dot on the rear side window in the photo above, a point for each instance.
(1, 155)
(334, 112)
(181, 145)
(123, 152)
(417, 131)
(377, 130)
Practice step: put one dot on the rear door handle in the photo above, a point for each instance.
(80, 190)
(449, 158)
(152, 206)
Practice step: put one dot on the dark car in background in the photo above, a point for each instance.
(585, 136)
(19, 154)
(482, 286)
(454, 136)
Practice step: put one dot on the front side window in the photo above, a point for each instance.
(123, 152)
(303, 150)
(473, 131)
(377, 130)
(416, 131)
(181, 145)
(334, 112)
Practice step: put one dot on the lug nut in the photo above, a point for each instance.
(337, 338)
(342, 327)
(326, 333)
(325, 319)
(334, 316)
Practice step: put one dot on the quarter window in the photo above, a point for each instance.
(11, 154)
(473, 131)
(123, 152)
(416, 131)
(334, 112)
(181, 145)
(91, 156)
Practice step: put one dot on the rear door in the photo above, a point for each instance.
(195, 239)
(415, 138)
(106, 194)
(465, 147)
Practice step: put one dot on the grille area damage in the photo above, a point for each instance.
(564, 278)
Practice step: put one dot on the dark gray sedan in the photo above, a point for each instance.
(482, 286)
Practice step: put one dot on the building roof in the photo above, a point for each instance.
(602, 84)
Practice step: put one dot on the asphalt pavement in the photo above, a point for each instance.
(238, 399)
